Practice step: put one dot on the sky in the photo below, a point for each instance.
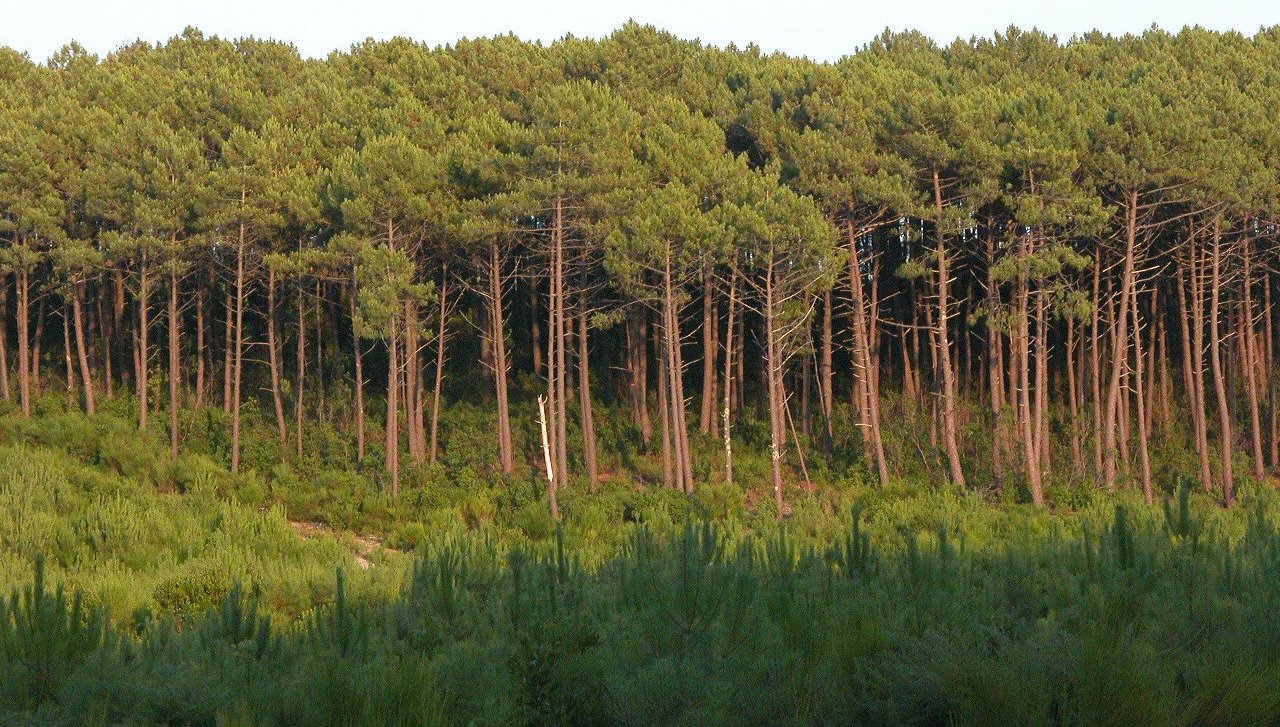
(819, 29)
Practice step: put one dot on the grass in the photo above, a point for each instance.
(144, 591)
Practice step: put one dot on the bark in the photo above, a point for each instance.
(1140, 381)
(200, 350)
(1215, 361)
(584, 405)
(442, 337)
(500, 364)
(175, 363)
(1120, 349)
(144, 347)
(4, 338)
(82, 351)
(237, 368)
(24, 343)
(867, 393)
(1250, 360)
(358, 354)
(826, 386)
(273, 357)
(706, 415)
(727, 413)
(300, 376)
(773, 363)
(944, 345)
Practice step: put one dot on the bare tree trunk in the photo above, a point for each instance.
(69, 374)
(144, 348)
(228, 351)
(442, 334)
(1250, 360)
(1215, 360)
(584, 399)
(82, 351)
(358, 355)
(944, 346)
(559, 333)
(500, 364)
(777, 432)
(664, 405)
(4, 338)
(825, 374)
(1139, 380)
(727, 430)
(1031, 458)
(24, 343)
(1120, 350)
(1095, 369)
(273, 358)
(1199, 411)
(237, 372)
(175, 363)
(200, 349)
(706, 414)
(300, 388)
(867, 392)
(392, 428)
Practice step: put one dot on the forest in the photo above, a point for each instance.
(938, 367)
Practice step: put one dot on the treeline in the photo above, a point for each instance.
(1057, 257)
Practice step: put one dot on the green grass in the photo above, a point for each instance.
(144, 591)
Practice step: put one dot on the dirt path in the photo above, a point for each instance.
(366, 545)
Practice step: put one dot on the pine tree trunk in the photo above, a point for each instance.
(441, 351)
(584, 394)
(144, 347)
(727, 430)
(228, 350)
(825, 374)
(273, 358)
(865, 381)
(300, 388)
(1140, 381)
(500, 364)
(175, 364)
(24, 343)
(948, 386)
(1250, 364)
(357, 351)
(706, 415)
(777, 431)
(82, 351)
(1120, 324)
(201, 384)
(237, 369)
(1215, 360)
(4, 338)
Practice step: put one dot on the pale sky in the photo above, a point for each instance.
(820, 29)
